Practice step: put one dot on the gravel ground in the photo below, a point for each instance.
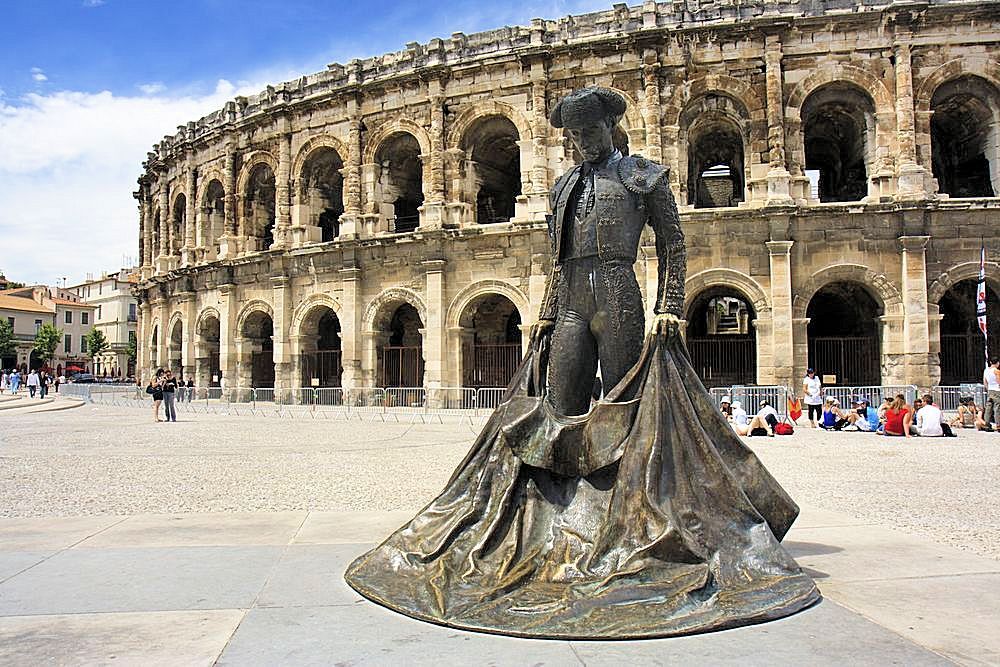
(104, 460)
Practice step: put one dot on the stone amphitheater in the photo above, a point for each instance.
(382, 223)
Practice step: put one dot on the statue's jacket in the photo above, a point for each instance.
(631, 192)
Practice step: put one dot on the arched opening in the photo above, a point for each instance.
(491, 349)
(320, 356)
(400, 349)
(964, 150)
(401, 181)
(213, 215)
(838, 122)
(208, 350)
(491, 144)
(178, 220)
(259, 208)
(257, 333)
(721, 338)
(174, 347)
(844, 334)
(963, 356)
(715, 162)
(322, 191)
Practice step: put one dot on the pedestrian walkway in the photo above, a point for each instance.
(267, 588)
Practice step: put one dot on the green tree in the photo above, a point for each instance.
(46, 341)
(132, 350)
(96, 343)
(7, 345)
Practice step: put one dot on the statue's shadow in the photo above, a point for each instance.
(800, 549)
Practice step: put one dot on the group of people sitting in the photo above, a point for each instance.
(894, 417)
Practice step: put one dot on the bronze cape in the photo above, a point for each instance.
(659, 522)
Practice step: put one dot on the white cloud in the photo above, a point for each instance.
(92, 3)
(68, 165)
(154, 88)
(38, 74)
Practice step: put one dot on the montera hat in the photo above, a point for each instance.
(587, 106)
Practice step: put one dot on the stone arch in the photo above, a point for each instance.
(387, 130)
(822, 76)
(954, 69)
(632, 122)
(482, 288)
(877, 284)
(392, 296)
(468, 118)
(957, 273)
(307, 305)
(313, 144)
(718, 84)
(175, 317)
(252, 160)
(715, 129)
(206, 313)
(730, 278)
(251, 307)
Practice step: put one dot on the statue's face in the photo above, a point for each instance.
(594, 141)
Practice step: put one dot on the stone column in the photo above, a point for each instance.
(227, 334)
(148, 248)
(282, 319)
(910, 176)
(282, 189)
(785, 365)
(187, 252)
(916, 325)
(228, 243)
(434, 340)
(432, 214)
(163, 257)
(350, 221)
(778, 178)
(651, 105)
(458, 339)
(651, 264)
(141, 332)
(189, 308)
(143, 240)
(162, 353)
(350, 329)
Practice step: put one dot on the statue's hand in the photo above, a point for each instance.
(541, 328)
(667, 324)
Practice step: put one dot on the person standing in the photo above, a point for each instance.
(4, 379)
(812, 396)
(155, 388)
(15, 381)
(43, 384)
(190, 389)
(991, 382)
(169, 391)
(32, 383)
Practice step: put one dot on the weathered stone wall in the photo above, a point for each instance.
(775, 91)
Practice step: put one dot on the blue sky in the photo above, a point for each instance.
(88, 86)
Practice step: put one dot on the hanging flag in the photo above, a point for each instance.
(981, 301)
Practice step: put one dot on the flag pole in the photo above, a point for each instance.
(981, 300)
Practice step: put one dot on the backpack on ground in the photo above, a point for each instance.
(784, 428)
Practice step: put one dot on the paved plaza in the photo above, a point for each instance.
(223, 539)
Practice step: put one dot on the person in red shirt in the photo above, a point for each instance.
(898, 417)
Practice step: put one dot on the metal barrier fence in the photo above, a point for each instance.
(874, 393)
(751, 396)
(948, 396)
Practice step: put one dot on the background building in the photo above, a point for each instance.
(116, 315)
(28, 308)
(381, 223)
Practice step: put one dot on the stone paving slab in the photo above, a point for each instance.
(51, 533)
(196, 530)
(141, 639)
(351, 527)
(150, 579)
(15, 562)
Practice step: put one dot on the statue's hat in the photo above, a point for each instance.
(587, 106)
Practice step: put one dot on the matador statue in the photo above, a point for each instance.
(634, 511)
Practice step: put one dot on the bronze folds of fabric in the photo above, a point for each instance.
(646, 518)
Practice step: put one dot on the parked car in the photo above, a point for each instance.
(83, 378)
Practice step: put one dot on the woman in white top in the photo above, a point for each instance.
(812, 390)
(738, 419)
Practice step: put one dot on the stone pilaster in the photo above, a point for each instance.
(189, 309)
(350, 329)
(227, 334)
(162, 352)
(434, 339)
(350, 221)
(282, 320)
(190, 213)
(916, 326)
(778, 178)
(651, 105)
(432, 213)
(910, 176)
(282, 189)
(651, 264)
(163, 257)
(228, 242)
(782, 328)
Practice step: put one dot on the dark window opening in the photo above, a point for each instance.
(964, 138)
(838, 126)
